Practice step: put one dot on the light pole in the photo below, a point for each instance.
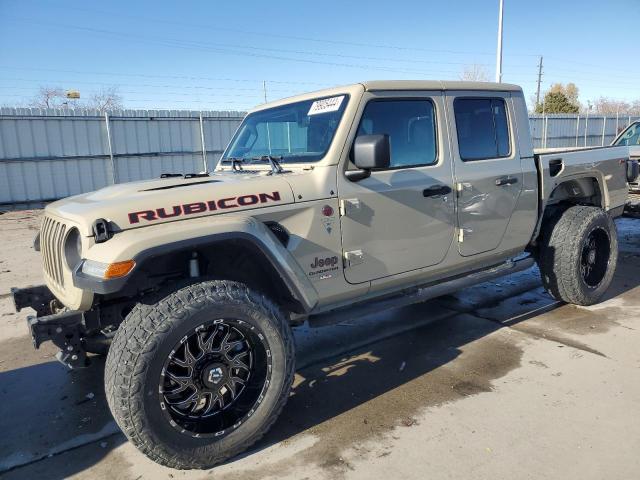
(499, 52)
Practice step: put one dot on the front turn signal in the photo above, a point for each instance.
(119, 269)
(107, 270)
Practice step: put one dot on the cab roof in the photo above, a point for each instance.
(398, 85)
(374, 85)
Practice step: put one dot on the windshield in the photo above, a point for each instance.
(631, 135)
(298, 132)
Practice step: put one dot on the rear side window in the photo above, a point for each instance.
(411, 126)
(483, 128)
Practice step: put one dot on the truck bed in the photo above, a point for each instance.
(606, 164)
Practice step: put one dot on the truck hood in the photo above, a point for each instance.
(149, 202)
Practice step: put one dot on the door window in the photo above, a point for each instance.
(411, 127)
(483, 128)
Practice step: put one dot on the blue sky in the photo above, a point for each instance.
(214, 55)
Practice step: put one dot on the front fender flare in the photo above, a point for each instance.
(142, 244)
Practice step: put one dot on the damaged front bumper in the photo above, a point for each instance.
(66, 329)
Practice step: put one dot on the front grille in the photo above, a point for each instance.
(52, 236)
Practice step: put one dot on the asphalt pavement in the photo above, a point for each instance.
(498, 381)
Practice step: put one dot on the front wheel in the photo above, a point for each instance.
(202, 374)
(578, 254)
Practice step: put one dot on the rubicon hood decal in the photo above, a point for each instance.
(135, 205)
(201, 207)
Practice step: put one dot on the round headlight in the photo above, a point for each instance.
(73, 248)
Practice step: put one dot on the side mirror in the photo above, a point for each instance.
(369, 152)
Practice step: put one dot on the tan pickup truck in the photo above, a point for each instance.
(332, 203)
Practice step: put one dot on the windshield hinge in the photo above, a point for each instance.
(348, 206)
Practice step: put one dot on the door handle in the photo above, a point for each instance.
(436, 190)
(503, 181)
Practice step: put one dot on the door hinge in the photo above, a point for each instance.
(462, 232)
(348, 206)
(353, 258)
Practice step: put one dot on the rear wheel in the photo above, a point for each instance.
(578, 255)
(199, 376)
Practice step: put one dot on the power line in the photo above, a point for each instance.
(103, 84)
(190, 45)
(291, 37)
(143, 75)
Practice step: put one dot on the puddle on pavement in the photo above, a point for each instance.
(354, 398)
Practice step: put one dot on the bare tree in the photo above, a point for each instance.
(474, 73)
(56, 97)
(609, 106)
(106, 99)
(49, 97)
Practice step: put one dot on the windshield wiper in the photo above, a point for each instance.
(273, 161)
(236, 163)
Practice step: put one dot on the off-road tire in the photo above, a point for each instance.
(139, 351)
(562, 250)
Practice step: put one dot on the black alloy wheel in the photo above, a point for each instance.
(594, 260)
(214, 378)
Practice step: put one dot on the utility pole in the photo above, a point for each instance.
(264, 89)
(539, 81)
(499, 52)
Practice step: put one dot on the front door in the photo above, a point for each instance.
(402, 218)
(487, 168)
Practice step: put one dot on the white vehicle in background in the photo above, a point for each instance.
(631, 137)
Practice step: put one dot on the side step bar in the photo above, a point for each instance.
(419, 294)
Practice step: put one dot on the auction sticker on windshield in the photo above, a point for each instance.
(326, 105)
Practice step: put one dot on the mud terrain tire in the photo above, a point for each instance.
(578, 254)
(137, 363)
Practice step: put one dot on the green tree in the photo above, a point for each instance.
(557, 102)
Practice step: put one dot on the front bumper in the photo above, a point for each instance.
(66, 330)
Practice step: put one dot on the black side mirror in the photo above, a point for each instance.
(370, 152)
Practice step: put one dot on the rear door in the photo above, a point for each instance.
(401, 218)
(487, 167)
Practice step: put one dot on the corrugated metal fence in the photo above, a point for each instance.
(550, 131)
(51, 154)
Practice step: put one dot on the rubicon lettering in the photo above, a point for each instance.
(201, 207)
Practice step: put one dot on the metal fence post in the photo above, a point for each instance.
(604, 125)
(114, 176)
(586, 128)
(577, 129)
(203, 143)
(545, 123)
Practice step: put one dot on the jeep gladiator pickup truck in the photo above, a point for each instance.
(332, 203)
